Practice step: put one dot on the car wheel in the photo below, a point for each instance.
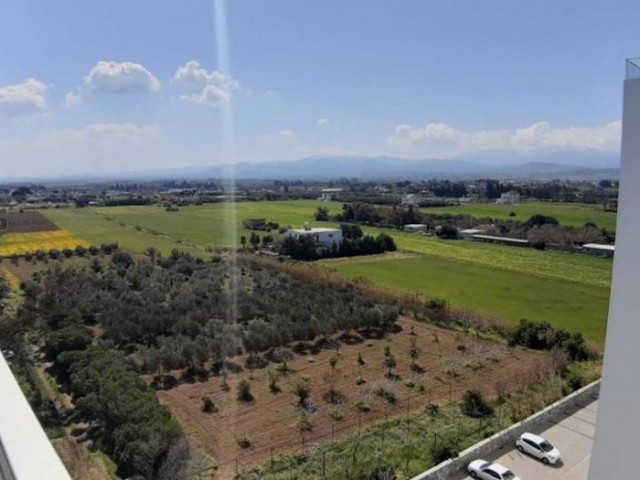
(545, 460)
(520, 448)
(473, 474)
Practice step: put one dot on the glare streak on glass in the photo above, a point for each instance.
(227, 147)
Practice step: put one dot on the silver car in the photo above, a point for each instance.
(538, 447)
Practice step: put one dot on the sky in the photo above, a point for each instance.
(93, 86)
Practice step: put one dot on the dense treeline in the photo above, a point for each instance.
(540, 230)
(543, 336)
(138, 432)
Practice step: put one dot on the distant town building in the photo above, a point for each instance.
(509, 198)
(413, 199)
(329, 194)
(322, 236)
(415, 227)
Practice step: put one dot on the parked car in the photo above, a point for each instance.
(484, 470)
(538, 447)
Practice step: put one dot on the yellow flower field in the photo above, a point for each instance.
(21, 243)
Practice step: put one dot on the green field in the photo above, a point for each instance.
(506, 294)
(195, 225)
(576, 214)
(569, 290)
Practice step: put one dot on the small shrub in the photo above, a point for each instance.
(208, 406)
(360, 381)
(433, 410)
(363, 407)
(388, 395)
(243, 442)
(244, 392)
(474, 405)
(336, 415)
(443, 452)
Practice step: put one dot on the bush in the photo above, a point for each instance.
(443, 452)
(363, 407)
(336, 415)
(243, 442)
(388, 395)
(244, 392)
(208, 406)
(474, 405)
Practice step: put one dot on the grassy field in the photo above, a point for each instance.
(567, 213)
(549, 264)
(96, 228)
(507, 294)
(198, 225)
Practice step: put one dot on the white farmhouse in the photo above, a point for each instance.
(329, 194)
(509, 198)
(322, 236)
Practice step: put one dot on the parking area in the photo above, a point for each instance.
(572, 434)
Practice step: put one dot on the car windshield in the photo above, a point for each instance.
(546, 446)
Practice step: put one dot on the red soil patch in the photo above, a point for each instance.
(272, 422)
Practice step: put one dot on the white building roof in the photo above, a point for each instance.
(471, 231)
(600, 246)
(415, 225)
(315, 230)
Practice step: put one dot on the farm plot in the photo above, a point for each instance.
(510, 295)
(25, 222)
(449, 364)
(576, 214)
(23, 243)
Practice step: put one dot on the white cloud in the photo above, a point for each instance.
(125, 77)
(444, 140)
(213, 88)
(121, 132)
(72, 99)
(22, 100)
(323, 121)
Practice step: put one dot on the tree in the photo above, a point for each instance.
(243, 241)
(254, 240)
(152, 253)
(389, 361)
(322, 214)
(302, 390)
(244, 392)
(122, 259)
(474, 405)
(414, 351)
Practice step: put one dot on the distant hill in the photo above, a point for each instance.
(567, 163)
(539, 165)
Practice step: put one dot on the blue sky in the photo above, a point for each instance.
(117, 85)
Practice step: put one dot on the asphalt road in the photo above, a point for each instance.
(572, 434)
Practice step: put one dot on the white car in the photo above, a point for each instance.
(538, 447)
(484, 470)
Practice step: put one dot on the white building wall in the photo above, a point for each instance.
(617, 434)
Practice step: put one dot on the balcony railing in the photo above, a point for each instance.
(25, 450)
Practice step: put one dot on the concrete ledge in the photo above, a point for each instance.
(25, 450)
(509, 435)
